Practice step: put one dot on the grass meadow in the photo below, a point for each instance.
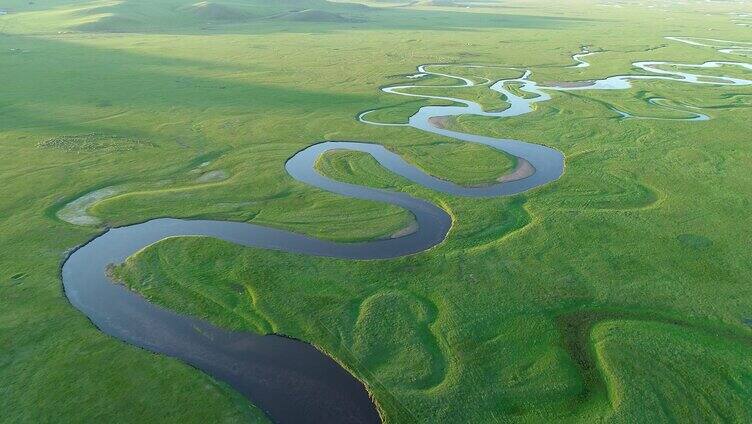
(619, 293)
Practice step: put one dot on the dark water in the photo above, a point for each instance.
(290, 380)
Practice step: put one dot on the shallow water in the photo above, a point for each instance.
(742, 48)
(581, 63)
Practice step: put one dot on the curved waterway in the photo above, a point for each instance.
(693, 115)
(290, 380)
(743, 48)
(582, 63)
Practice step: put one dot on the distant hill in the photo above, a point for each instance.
(216, 11)
(314, 15)
(439, 3)
(174, 15)
(109, 23)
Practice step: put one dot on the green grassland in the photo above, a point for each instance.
(470, 163)
(618, 293)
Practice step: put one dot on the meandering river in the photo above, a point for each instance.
(290, 380)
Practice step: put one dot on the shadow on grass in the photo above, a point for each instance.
(576, 326)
